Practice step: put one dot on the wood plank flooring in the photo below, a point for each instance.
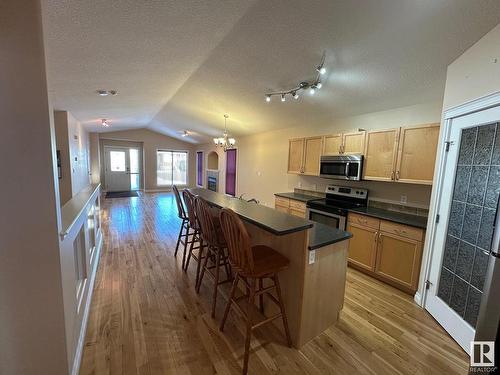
(146, 318)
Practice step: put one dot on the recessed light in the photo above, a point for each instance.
(185, 134)
(105, 123)
(106, 92)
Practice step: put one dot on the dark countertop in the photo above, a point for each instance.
(264, 217)
(397, 217)
(323, 235)
(297, 196)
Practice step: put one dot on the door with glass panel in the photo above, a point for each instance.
(470, 187)
(117, 169)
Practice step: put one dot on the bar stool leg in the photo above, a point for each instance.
(179, 237)
(216, 281)
(200, 259)
(229, 301)
(188, 228)
(282, 308)
(251, 297)
(190, 252)
(261, 297)
(209, 250)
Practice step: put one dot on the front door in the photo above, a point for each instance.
(117, 169)
(467, 206)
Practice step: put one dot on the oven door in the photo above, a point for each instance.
(327, 218)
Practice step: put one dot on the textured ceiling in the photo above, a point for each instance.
(180, 65)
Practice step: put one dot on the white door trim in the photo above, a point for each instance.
(473, 106)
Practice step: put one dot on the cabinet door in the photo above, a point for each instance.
(362, 246)
(417, 154)
(298, 213)
(398, 259)
(332, 144)
(295, 155)
(312, 155)
(281, 209)
(380, 154)
(354, 143)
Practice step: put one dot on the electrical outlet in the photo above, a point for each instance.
(259, 173)
(404, 199)
(312, 256)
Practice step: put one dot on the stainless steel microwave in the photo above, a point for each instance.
(341, 167)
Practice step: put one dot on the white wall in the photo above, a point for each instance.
(79, 149)
(476, 73)
(32, 334)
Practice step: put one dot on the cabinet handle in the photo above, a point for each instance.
(376, 236)
(392, 175)
(397, 175)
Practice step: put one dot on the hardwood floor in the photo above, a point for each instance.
(146, 318)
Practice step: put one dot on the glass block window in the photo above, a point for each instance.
(470, 227)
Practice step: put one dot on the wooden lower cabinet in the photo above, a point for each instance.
(362, 246)
(386, 250)
(398, 259)
(290, 206)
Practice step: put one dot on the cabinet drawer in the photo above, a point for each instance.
(279, 201)
(298, 213)
(297, 205)
(402, 230)
(367, 221)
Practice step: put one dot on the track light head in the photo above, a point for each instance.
(312, 90)
(295, 95)
(268, 98)
(321, 70)
(319, 85)
(283, 97)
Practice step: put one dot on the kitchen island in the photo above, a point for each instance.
(314, 284)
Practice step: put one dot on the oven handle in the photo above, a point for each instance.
(347, 170)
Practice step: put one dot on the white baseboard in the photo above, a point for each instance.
(83, 329)
(418, 299)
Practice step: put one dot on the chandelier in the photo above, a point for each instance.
(304, 85)
(225, 142)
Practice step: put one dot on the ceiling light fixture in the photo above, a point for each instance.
(106, 92)
(225, 142)
(185, 134)
(105, 123)
(311, 85)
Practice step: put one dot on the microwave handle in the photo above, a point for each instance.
(347, 170)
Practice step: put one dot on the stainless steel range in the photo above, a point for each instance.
(333, 209)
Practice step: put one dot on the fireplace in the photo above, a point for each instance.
(212, 180)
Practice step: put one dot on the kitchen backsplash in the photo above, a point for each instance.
(382, 204)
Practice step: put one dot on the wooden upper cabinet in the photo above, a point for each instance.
(312, 155)
(417, 154)
(380, 154)
(295, 155)
(332, 144)
(354, 143)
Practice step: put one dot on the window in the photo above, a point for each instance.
(134, 169)
(231, 172)
(171, 168)
(117, 161)
(199, 168)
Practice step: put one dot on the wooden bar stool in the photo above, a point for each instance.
(212, 236)
(252, 264)
(184, 230)
(189, 200)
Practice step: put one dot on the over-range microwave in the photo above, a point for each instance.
(341, 167)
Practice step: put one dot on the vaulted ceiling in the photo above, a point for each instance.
(180, 65)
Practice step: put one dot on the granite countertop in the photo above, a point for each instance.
(297, 196)
(397, 217)
(264, 217)
(322, 235)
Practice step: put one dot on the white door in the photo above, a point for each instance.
(117, 169)
(466, 208)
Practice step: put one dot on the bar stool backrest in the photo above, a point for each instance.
(191, 214)
(238, 241)
(208, 229)
(180, 208)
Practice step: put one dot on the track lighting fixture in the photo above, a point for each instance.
(311, 85)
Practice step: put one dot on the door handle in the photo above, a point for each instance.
(397, 175)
